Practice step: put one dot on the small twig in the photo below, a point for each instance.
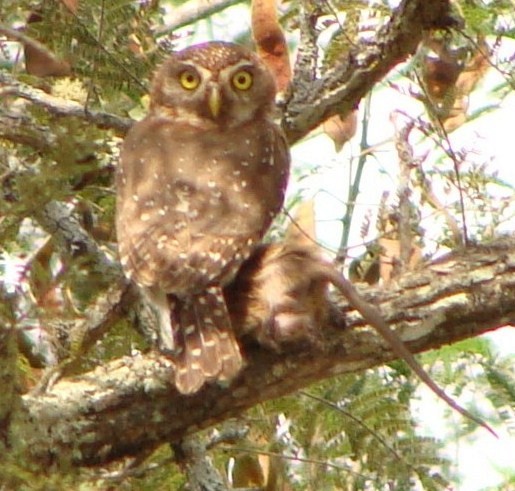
(359, 422)
(354, 188)
(323, 463)
(191, 12)
(406, 161)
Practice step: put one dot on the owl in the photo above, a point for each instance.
(199, 182)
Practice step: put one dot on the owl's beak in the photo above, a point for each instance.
(214, 101)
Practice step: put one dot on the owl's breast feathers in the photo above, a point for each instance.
(192, 203)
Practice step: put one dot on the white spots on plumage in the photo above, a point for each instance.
(211, 184)
(247, 141)
(183, 255)
(236, 172)
(196, 352)
(162, 212)
(144, 217)
(124, 260)
(245, 163)
(219, 312)
(150, 203)
(135, 197)
(223, 334)
(156, 176)
(215, 256)
(189, 329)
(193, 214)
(202, 300)
(236, 187)
(183, 206)
(250, 241)
(244, 184)
(246, 206)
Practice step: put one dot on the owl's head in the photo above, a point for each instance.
(219, 82)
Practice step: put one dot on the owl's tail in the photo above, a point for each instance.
(208, 349)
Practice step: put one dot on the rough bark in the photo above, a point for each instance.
(313, 99)
(339, 90)
(130, 405)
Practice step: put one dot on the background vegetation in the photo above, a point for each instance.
(73, 75)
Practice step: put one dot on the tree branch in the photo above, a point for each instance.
(341, 88)
(130, 405)
(192, 12)
(10, 86)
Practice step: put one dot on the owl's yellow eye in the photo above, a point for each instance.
(242, 80)
(189, 79)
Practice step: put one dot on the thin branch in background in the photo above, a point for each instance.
(191, 12)
(295, 458)
(456, 164)
(406, 163)
(449, 151)
(10, 86)
(353, 191)
(96, 57)
(359, 422)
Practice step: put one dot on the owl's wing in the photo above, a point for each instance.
(187, 211)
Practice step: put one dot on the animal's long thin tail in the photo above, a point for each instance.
(372, 315)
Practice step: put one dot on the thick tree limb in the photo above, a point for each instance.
(340, 89)
(10, 86)
(130, 405)
(312, 101)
